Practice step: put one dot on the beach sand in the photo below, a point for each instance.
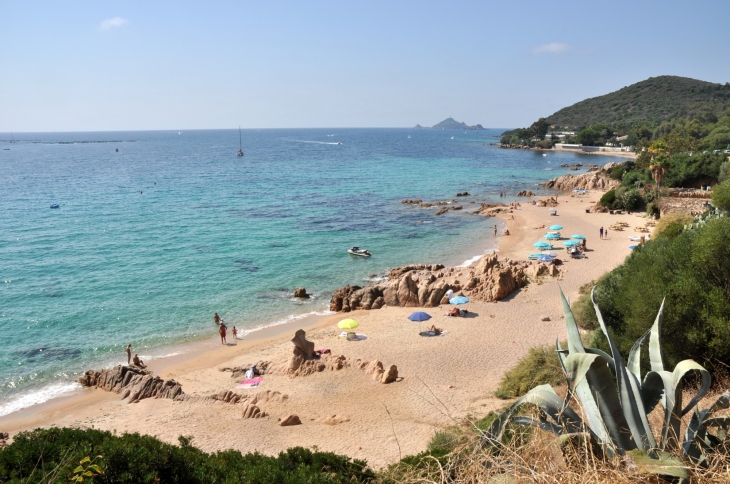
(445, 378)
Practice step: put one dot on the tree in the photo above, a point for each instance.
(589, 137)
(659, 167)
(721, 195)
(539, 128)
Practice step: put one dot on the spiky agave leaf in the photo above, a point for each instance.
(660, 463)
(629, 390)
(696, 433)
(550, 405)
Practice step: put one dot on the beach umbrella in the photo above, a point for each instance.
(542, 245)
(556, 227)
(570, 243)
(577, 236)
(551, 236)
(419, 316)
(632, 247)
(348, 324)
(459, 300)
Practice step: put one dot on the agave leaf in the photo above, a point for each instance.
(541, 423)
(592, 382)
(659, 386)
(545, 398)
(632, 404)
(722, 422)
(633, 363)
(575, 344)
(680, 371)
(561, 355)
(604, 355)
(695, 433)
(655, 349)
(664, 464)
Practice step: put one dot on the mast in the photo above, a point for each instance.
(240, 148)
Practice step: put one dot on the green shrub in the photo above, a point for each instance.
(608, 198)
(134, 458)
(671, 225)
(617, 172)
(537, 367)
(691, 271)
(443, 442)
(631, 199)
(724, 172)
(721, 195)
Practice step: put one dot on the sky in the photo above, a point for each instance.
(132, 65)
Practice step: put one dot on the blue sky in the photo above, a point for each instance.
(95, 66)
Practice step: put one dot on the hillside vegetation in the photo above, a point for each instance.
(652, 101)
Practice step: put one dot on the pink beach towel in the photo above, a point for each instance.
(250, 383)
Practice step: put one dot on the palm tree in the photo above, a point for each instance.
(659, 164)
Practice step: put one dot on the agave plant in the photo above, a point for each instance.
(615, 401)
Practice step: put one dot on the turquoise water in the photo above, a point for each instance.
(150, 241)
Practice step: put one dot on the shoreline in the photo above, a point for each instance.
(461, 368)
(621, 154)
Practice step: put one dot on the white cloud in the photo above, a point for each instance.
(552, 48)
(112, 23)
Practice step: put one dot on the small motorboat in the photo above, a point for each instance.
(55, 205)
(359, 252)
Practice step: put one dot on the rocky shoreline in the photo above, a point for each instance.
(424, 285)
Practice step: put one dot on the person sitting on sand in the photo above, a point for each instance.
(436, 330)
(506, 231)
(138, 362)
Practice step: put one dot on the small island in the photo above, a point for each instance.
(451, 123)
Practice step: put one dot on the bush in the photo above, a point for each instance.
(724, 172)
(721, 195)
(631, 199)
(672, 225)
(133, 458)
(608, 198)
(538, 366)
(691, 272)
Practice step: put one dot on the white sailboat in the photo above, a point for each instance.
(240, 148)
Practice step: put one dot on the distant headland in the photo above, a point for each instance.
(451, 123)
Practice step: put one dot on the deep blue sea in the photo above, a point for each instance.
(151, 240)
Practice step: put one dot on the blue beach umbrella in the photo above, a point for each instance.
(577, 236)
(551, 236)
(459, 300)
(542, 245)
(570, 243)
(556, 227)
(419, 316)
(632, 247)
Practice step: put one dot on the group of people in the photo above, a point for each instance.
(603, 232)
(223, 329)
(136, 360)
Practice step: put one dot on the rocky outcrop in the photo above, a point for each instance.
(375, 369)
(525, 193)
(302, 346)
(462, 194)
(586, 181)
(301, 292)
(417, 201)
(491, 209)
(447, 209)
(426, 285)
(252, 411)
(610, 166)
(131, 383)
(290, 420)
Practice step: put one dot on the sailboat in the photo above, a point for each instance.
(240, 149)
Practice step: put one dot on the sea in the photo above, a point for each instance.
(158, 230)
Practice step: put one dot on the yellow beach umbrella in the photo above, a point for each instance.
(348, 324)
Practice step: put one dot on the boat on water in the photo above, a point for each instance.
(452, 137)
(359, 252)
(409, 136)
(240, 147)
(55, 205)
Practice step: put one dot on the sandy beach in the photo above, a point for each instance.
(444, 379)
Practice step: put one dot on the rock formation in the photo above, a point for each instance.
(131, 383)
(301, 292)
(252, 411)
(426, 285)
(290, 420)
(305, 347)
(446, 209)
(586, 181)
(462, 194)
(525, 193)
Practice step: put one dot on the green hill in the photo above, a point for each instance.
(653, 101)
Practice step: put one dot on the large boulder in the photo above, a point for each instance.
(132, 383)
(300, 342)
(586, 181)
(301, 292)
(290, 420)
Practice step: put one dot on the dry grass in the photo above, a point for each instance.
(535, 456)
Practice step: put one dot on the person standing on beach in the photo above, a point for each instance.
(605, 234)
(601, 232)
(129, 353)
(495, 230)
(234, 332)
(217, 319)
(222, 332)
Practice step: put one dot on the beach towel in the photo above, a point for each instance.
(250, 383)
(432, 333)
(357, 337)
